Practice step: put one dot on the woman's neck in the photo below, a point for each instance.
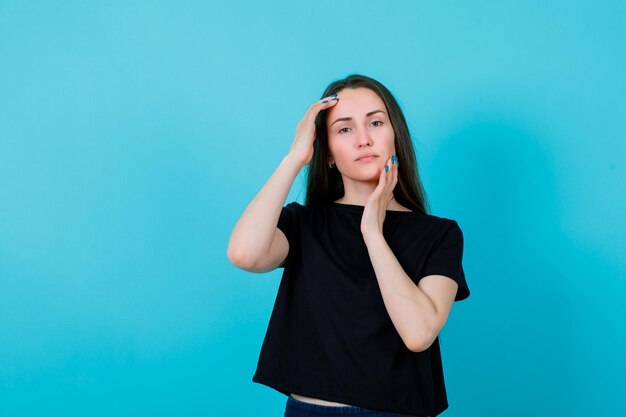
(393, 204)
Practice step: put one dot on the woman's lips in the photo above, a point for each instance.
(367, 158)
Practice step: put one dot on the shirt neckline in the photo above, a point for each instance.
(359, 209)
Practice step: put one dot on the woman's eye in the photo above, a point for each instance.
(343, 130)
(377, 121)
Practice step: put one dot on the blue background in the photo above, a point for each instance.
(133, 135)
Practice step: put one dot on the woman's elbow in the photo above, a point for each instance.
(248, 263)
(420, 344)
(238, 258)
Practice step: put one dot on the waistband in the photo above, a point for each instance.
(323, 410)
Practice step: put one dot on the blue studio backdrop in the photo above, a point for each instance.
(134, 133)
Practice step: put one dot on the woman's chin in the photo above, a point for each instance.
(373, 179)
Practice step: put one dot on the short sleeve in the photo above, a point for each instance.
(447, 257)
(287, 223)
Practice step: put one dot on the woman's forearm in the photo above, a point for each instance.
(253, 233)
(411, 311)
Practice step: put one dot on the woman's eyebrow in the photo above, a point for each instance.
(350, 118)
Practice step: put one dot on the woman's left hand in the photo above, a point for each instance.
(377, 203)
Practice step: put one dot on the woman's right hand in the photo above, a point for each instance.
(302, 145)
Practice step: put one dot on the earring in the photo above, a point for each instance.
(330, 164)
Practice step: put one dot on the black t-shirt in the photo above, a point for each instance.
(330, 335)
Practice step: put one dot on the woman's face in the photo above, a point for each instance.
(359, 125)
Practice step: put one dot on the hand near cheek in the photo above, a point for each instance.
(377, 203)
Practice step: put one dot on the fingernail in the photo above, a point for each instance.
(333, 95)
(325, 101)
(336, 98)
(386, 168)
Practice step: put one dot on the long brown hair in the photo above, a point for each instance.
(325, 185)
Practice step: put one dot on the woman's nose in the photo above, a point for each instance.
(363, 137)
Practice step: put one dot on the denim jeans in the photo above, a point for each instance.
(297, 408)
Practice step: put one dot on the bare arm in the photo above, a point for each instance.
(253, 236)
(418, 312)
(256, 244)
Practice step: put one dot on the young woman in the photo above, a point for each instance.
(369, 276)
